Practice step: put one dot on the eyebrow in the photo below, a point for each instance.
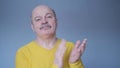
(46, 14)
(37, 16)
(49, 13)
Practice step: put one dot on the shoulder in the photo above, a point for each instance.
(69, 45)
(25, 48)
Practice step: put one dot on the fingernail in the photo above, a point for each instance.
(85, 39)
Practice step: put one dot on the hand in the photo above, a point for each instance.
(77, 51)
(60, 54)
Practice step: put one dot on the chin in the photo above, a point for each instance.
(47, 35)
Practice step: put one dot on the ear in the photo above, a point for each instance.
(56, 22)
(32, 27)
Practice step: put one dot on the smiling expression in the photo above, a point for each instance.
(44, 21)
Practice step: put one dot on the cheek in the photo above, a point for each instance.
(37, 24)
(54, 25)
(36, 27)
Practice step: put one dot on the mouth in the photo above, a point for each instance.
(45, 27)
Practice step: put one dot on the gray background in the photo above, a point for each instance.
(96, 20)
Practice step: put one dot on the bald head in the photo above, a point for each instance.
(43, 8)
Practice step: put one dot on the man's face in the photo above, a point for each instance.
(43, 21)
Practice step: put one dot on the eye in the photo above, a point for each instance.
(49, 16)
(37, 19)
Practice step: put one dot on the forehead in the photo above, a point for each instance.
(41, 10)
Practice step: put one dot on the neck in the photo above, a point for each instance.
(47, 43)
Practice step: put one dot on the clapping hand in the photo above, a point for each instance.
(77, 51)
(59, 55)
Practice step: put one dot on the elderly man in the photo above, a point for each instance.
(48, 51)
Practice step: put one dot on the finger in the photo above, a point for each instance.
(62, 46)
(63, 43)
(63, 50)
(83, 45)
(84, 42)
(77, 44)
(60, 52)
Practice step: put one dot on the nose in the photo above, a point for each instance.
(44, 21)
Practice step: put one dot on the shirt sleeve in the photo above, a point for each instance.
(77, 64)
(21, 60)
(54, 66)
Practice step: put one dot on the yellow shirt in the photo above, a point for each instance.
(33, 55)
